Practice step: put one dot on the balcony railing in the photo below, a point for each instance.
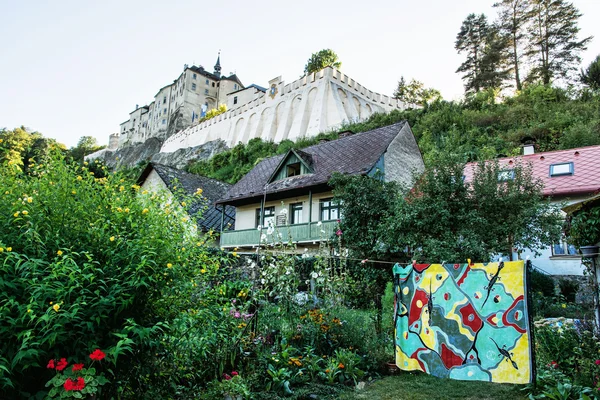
(298, 233)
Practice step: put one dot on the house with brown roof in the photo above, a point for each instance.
(569, 177)
(289, 193)
(157, 177)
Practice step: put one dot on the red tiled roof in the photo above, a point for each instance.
(586, 170)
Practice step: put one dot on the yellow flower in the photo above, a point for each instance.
(1, 249)
(145, 211)
(73, 192)
(112, 239)
(184, 219)
(169, 265)
(234, 254)
(25, 212)
(183, 203)
(16, 214)
(564, 305)
(145, 192)
(29, 311)
(56, 307)
(199, 191)
(9, 249)
(119, 209)
(183, 249)
(79, 177)
(60, 253)
(127, 210)
(85, 163)
(203, 271)
(121, 188)
(29, 199)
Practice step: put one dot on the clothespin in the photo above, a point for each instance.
(414, 262)
(469, 261)
(527, 258)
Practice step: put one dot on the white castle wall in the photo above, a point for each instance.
(310, 105)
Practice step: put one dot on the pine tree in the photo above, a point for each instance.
(484, 67)
(512, 21)
(553, 45)
(591, 75)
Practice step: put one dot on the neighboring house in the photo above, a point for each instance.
(291, 191)
(158, 177)
(569, 177)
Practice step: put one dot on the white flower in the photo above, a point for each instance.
(262, 281)
(283, 211)
(322, 230)
(306, 249)
(270, 230)
(319, 223)
(263, 237)
(259, 227)
(314, 275)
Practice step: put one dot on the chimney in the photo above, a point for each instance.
(528, 149)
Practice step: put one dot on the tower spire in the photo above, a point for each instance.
(218, 65)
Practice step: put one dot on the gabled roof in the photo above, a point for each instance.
(212, 190)
(232, 77)
(304, 157)
(586, 170)
(354, 155)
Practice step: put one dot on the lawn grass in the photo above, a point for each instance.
(420, 386)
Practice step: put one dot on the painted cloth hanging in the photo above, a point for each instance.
(463, 321)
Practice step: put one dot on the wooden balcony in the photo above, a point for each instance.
(297, 233)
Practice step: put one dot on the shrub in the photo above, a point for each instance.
(86, 263)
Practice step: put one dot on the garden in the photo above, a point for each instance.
(108, 291)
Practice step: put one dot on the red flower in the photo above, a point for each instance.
(97, 355)
(77, 367)
(234, 373)
(597, 362)
(77, 384)
(50, 364)
(62, 364)
(339, 232)
(227, 377)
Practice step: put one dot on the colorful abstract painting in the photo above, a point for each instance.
(463, 321)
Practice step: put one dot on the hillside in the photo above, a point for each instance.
(478, 128)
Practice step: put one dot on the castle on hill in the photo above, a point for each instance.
(315, 103)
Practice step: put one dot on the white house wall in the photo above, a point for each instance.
(312, 104)
(245, 216)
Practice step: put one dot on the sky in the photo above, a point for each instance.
(72, 68)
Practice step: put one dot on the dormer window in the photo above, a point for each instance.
(293, 169)
(561, 169)
(506, 175)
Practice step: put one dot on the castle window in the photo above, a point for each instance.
(207, 81)
(164, 121)
(213, 84)
(194, 76)
(235, 86)
(205, 91)
(235, 100)
(193, 86)
(164, 99)
(165, 111)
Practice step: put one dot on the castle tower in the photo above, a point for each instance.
(218, 66)
(113, 141)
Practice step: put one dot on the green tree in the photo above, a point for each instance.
(485, 50)
(415, 93)
(447, 218)
(591, 75)
(553, 45)
(86, 145)
(366, 201)
(322, 59)
(512, 21)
